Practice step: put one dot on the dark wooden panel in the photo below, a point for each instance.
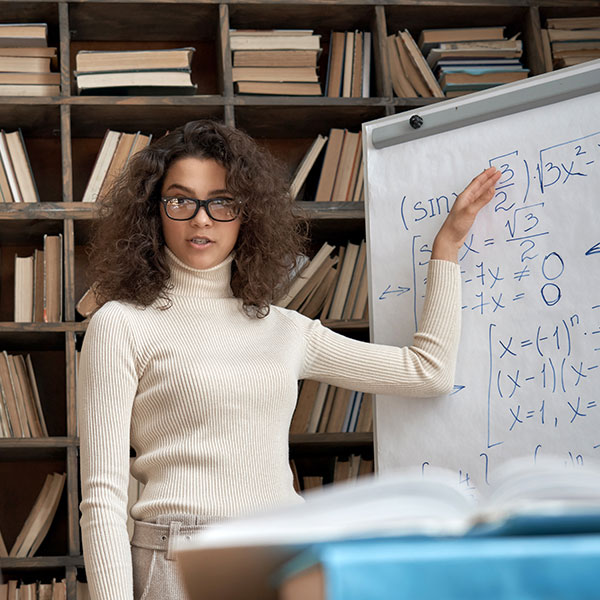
(39, 117)
(22, 481)
(143, 21)
(154, 116)
(300, 16)
(303, 121)
(456, 14)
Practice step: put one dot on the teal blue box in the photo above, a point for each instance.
(542, 567)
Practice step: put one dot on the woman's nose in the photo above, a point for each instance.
(202, 217)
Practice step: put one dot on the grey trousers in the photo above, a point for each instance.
(155, 572)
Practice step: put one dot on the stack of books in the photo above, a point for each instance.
(135, 72)
(411, 74)
(25, 61)
(324, 408)
(570, 41)
(115, 153)
(21, 414)
(469, 59)
(38, 283)
(342, 174)
(16, 177)
(349, 64)
(56, 590)
(275, 61)
(332, 288)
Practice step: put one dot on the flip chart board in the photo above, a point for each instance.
(528, 374)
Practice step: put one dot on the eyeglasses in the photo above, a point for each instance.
(218, 209)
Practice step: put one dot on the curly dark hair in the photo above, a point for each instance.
(126, 251)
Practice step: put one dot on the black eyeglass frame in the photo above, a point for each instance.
(202, 204)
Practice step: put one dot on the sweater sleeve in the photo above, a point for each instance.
(106, 387)
(426, 368)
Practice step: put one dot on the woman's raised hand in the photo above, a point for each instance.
(470, 201)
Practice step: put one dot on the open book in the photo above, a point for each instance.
(548, 497)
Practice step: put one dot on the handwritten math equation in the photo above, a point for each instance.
(531, 283)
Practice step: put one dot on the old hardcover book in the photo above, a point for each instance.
(568, 35)
(23, 34)
(9, 169)
(36, 395)
(281, 74)
(304, 406)
(281, 41)
(312, 284)
(5, 193)
(307, 272)
(306, 165)
(19, 395)
(574, 23)
(326, 412)
(87, 304)
(21, 165)
(410, 70)
(344, 169)
(87, 61)
(366, 69)
(421, 64)
(40, 51)
(22, 378)
(40, 517)
(8, 89)
(356, 166)
(448, 78)
(343, 283)
(275, 58)
(364, 422)
(360, 177)
(101, 166)
(336, 64)
(23, 292)
(179, 78)
(278, 88)
(330, 165)
(400, 83)
(38, 286)
(53, 278)
(357, 65)
(429, 38)
(355, 282)
(329, 298)
(348, 64)
(316, 300)
(10, 401)
(311, 482)
(118, 162)
(338, 410)
(317, 408)
(29, 78)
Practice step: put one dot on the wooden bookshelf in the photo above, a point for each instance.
(63, 135)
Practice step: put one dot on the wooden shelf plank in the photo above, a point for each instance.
(41, 562)
(35, 443)
(11, 327)
(332, 440)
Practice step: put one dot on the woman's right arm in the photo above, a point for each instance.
(106, 387)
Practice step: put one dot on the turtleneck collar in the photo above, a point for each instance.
(200, 283)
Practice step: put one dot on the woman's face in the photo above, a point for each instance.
(200, 243)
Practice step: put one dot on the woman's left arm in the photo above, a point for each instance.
(425, 368)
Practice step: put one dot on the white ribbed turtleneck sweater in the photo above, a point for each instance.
(205, 395)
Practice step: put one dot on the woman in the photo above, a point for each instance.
(189, 363)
